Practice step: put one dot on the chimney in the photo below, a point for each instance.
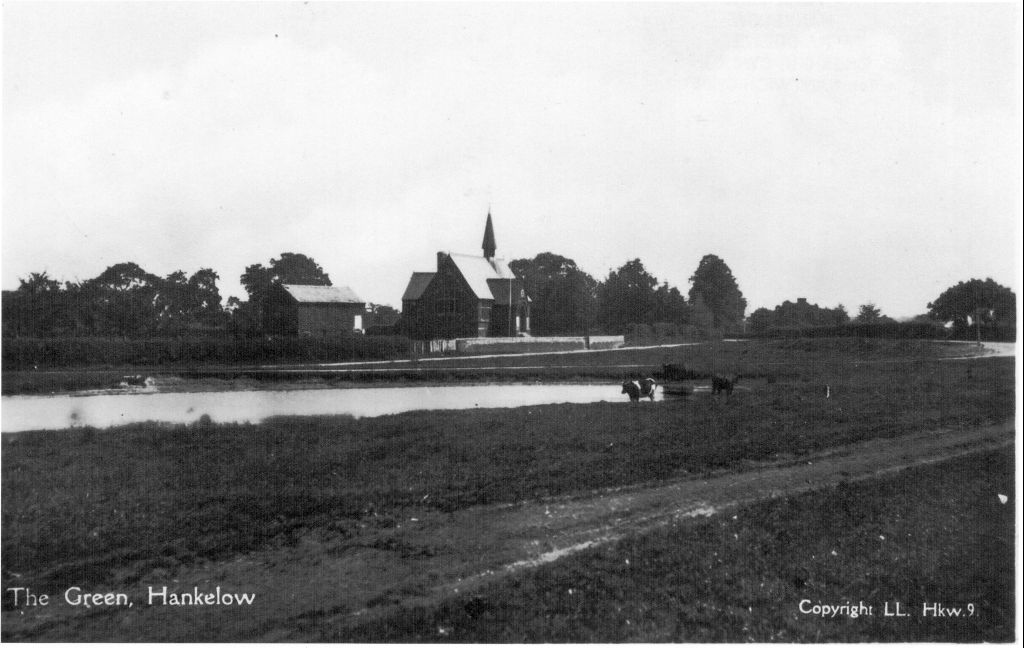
(440, 259)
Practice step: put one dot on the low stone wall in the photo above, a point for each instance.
(478, 346)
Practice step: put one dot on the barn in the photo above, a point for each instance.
(466, 296)
(319, 310)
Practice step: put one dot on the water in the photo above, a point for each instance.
(21, 413)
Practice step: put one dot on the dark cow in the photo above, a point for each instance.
(723, 384)
(648, 387)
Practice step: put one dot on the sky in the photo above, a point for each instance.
(844, 153)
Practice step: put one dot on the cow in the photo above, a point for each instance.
(641, 387)
(632, 388)
(648, 387)
(725, 384)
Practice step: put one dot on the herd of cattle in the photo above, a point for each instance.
(646, 387)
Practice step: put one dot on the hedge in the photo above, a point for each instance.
(27, 353)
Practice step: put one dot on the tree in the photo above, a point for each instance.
(759, 321)
(714, 283)
(185, 302)
(627, 296)
(34, 309)
(204, 299)
(670, 305)
(869, 314)
(563, 296)
(124, 298)
(291, 268)
(383, 316)
(984, 302)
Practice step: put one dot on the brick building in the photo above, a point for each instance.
(466, 296)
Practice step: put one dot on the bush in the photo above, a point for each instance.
(889, 330)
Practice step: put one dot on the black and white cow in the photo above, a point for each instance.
(641, 387)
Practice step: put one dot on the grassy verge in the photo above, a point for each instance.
(937, 534)
(79, 504)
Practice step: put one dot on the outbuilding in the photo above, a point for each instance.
(319, 310)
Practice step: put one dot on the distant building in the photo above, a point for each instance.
(466, 296)
(317, 310)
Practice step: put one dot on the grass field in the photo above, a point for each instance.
(79, 505)
(758, 359)
(937, 534)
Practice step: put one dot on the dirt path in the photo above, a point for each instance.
(333, 581)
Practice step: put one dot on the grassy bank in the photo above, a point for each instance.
(80, 504)
(937, 534)
(775, 359)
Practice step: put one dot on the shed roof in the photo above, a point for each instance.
(322, 294)
(418, 282)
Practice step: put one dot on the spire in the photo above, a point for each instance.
(489, 245)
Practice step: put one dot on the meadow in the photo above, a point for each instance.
(79, 505)
(801, 359)
(935, 534)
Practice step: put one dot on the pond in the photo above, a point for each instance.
(22, 413)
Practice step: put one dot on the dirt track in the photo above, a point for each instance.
(327, 580)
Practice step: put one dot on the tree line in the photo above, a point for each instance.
(630, 300)
(127, 301)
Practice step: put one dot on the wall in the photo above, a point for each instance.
(326, 319)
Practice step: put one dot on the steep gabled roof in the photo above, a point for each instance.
(417, 284)
(322, 294)
(480, 273)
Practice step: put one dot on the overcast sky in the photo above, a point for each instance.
(844, 153)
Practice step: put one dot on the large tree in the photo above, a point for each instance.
(124, 300)
(714, 283)
(627, 296)
(985, 302)
(563, 296)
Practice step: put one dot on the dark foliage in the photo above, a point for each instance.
(714, 284)
(29, 353)
(631, 298)
(260, 313)
(974, 302)
(871, 314)
(891, 330)
(564, 297)
(798, 314)
(124, 300)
